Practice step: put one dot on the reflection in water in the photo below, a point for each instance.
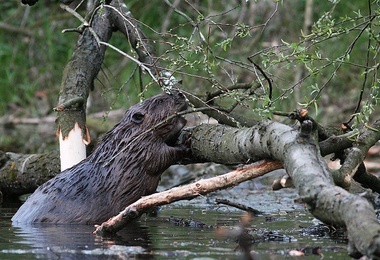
(147, 238)
(66, 241)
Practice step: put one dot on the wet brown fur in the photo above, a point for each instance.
(126, 165)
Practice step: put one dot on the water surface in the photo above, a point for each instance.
(285, 228)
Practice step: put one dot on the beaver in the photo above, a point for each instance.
(126, 165)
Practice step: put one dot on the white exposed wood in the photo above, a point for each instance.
(72, 148)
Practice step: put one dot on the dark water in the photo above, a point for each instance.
(156, 238)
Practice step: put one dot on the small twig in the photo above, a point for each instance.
(140, 64)
(8, 27)
(136, 29)
(181, 13)
(31, 121)
(265, 76)
(74, 13)
(73, 103)
(248, 209)
(282, 113)
(270, 17)
(341, 62)
(216, 112)
(191, 21)
(232, 87)
(357, 109)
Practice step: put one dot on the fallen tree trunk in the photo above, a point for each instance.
(23, 173)
(302, 160)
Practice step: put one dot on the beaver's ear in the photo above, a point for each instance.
(137, 118)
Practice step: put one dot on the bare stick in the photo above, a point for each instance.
(240, 206)
(186, 192)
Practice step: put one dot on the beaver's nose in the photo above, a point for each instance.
(177, 93)
(180, 95)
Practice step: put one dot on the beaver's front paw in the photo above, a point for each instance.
(184, 139)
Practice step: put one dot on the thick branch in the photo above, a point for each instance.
(80, 72)
(356, 155)
(230, 119)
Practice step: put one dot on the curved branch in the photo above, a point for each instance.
(355, 156)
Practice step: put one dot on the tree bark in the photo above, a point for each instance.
(23, 173)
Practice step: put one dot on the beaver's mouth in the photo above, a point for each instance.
(174, 127)
(172, 136)
(183, 106)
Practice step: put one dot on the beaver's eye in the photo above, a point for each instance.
(137, 118)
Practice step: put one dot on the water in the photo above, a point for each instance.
(157, 238)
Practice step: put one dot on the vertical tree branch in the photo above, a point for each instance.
(77, 81)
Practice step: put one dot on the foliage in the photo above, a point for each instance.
(324, 67)
(32, 51)
(315, 69)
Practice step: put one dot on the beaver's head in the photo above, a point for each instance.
(143, 129)
(158, 116)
